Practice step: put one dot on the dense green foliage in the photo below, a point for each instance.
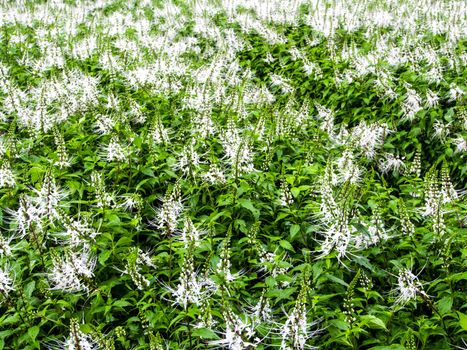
(194, 175)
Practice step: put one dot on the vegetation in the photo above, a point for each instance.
(240, 174)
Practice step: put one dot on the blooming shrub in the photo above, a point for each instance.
(261, 174)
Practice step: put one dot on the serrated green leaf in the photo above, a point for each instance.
(121, 303)
(286, 245)
(29, 289)
(295, 191)
(445, 305)
(205, 333)
(373, 321)
(339, 324)
(33, 332)
(104, 256)
(336, 279)
(462, 320)
(247, 204)
(294, 230)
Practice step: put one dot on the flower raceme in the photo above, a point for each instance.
(73, 271)
(408, 287)
(168, 214)
(6, 281)
(135, 261)
(7, 178)
(296, 330)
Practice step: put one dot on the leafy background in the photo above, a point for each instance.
(126, 127)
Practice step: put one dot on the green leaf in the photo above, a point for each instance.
(458, 276)
(281, 216)
(29, 289)
(113, 219)
(104, 256)
(280, 294)
(7, 333)
(294, 230)
(85, 328)
(286, 245)
(462, 320)
(11, 319)
(336, 279)
(124, 241)
(295, 191)
(247, 204)
(36, 174)
(445, 305)
(121, 303)
(225, 199)
(373, 322)
(205, 333)
(361, 260)
(33, 332)
(148, 172)
(339, 324)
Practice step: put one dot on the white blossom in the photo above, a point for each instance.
(7, 179)
(408, 287)
(6, 281)
(73, 271)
